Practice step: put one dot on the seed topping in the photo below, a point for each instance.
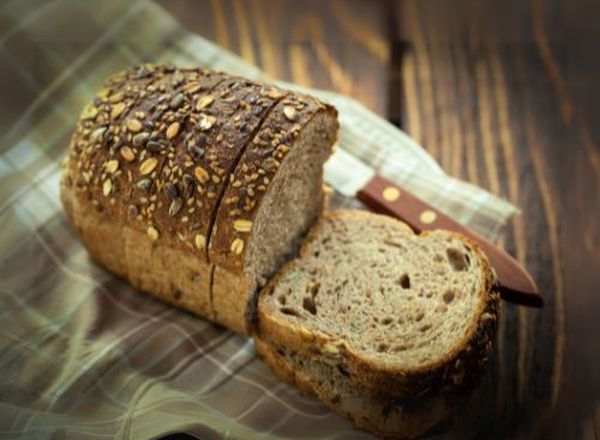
(290, 113)
(237, 246)
(206, 122)
(200, 241)
(148, 166)
(152, 233)
(111, 166)
(173, 130)
(117, 110)
(201, 174)
(175, 206)
(133, 125)
(204, 102)
(140, 138)
(127, 153)
(242, 225)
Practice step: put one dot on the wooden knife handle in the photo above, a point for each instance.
(385, 197)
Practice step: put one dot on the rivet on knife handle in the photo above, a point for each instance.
(383, 196)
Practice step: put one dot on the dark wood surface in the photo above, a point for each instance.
(502, 94)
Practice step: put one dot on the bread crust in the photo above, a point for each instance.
(385, 418)
(459, 370)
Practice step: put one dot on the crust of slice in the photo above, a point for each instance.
(386, 418)
(458, 370)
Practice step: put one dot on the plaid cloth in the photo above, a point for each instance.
(82, 354)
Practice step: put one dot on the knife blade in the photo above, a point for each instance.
(353, 178)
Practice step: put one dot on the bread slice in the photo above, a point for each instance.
(274, 196)
(403, 314)
(383, 417)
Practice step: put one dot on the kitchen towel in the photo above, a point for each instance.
(82, 354)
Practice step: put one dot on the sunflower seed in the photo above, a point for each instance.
(175, 206)
(89, 112)
(140, 138)
(145, 185)
(111, 166)
(200, 241)
(106, 187)
(177, 79)
(206, 122)
(176, 101)
(117, 110)
(98, 134)
(143, 72)
(117, 97)
(170, 190)
(192, 87)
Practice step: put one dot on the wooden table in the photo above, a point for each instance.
(501, 94)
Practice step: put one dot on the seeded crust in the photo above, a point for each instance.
(460, 369)
(119, 155)
(152, 155)
(383, 417)
(226, 119)
(131, 185)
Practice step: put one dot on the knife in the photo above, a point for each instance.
(353, 178)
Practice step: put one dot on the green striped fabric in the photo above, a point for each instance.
(82, 354)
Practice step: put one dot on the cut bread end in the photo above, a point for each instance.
(404, 314)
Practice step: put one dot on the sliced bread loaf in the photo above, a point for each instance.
(162, 157)
(403, 314)
(384, 417)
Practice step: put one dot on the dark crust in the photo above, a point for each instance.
(460, 370)
(148, 93)
(239, 107)
(177, 206)
(256, 170)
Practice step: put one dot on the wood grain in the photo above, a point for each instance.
(503, 95)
